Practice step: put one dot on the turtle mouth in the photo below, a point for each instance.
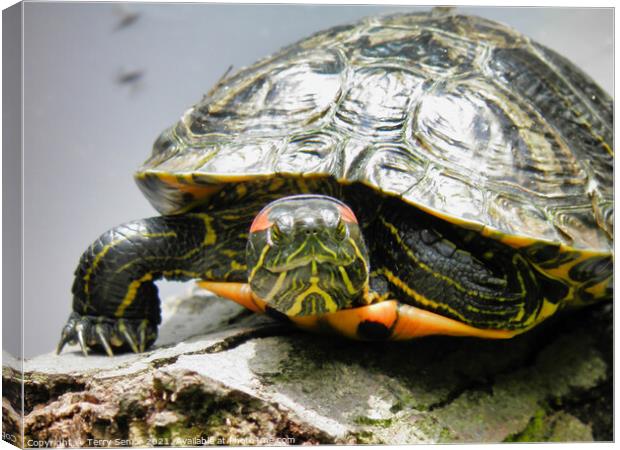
(314, 251)
(307, 260)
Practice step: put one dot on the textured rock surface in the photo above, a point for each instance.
(221, 375)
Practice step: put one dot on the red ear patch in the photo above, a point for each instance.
(261, 221)
(346, 214)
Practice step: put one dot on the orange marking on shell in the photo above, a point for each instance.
(346, 214)
(416, 322)
(198, 191)
(240, 293)
(261, 221)
(347, 321)
(404, 322)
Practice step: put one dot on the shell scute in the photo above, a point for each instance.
(394, 168)
(311, 152)
(447, 194)
(284, 95)
(514, 214)
(378, 113)
(425, 51)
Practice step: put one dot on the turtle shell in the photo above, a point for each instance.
(460, 116)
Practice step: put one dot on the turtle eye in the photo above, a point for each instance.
(275, 233)
(341, 230)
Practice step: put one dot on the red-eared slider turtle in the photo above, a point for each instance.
(403, 176)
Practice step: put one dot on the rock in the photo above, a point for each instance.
(219, 375)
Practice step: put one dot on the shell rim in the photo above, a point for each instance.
(512, 240)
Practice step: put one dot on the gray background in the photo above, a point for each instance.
(85, 133)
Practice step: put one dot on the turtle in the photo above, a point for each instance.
(402, 176)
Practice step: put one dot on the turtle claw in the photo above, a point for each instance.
(104, 334)
(68, 333)
(79, 330)
(128, 334)
(65, 339)
(143, 335)
(61, 345)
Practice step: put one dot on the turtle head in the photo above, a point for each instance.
(306, 256)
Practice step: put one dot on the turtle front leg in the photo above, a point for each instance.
(115, 299)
